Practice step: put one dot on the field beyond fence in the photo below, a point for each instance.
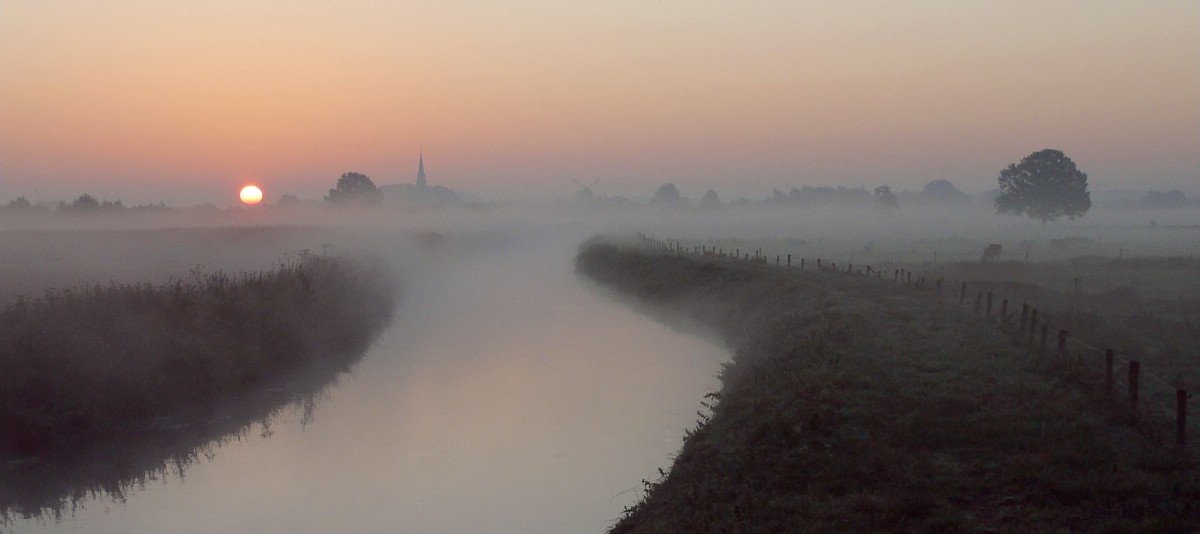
(1152, 400)
(864, 402)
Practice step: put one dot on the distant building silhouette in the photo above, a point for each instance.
(421, 171)
(420, 194)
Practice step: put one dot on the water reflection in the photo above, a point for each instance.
(54, 486)
(507, 397)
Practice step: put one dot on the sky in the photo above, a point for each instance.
(184, 101)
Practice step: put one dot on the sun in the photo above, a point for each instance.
(251, 195)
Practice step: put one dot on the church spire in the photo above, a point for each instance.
(421, 172)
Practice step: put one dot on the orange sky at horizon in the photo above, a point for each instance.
(184, 102)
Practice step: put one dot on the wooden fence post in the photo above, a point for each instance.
(910, 277)
(1181, 417)
(1033, 321)
(777, 259)
(1108, 370)
(1024, 316)
(818, 264)
(939, 285)
(962, 295)
(1134, 369)
(801, 264)
(989, 304)
(1045, 333)
(850, 268)
(1062, 342)
(789, 260)
(1004, 311)
(978, 301)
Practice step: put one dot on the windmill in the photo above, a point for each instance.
(585, 191)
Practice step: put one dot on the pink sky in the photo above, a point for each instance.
(184, 101)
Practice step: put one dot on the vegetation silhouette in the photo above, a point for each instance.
(851, 407)
(355, 189)
(104, 385)
(885, 199)
(1045, 185)
(710, 200)
(666, 194)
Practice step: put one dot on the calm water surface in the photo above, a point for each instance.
(508, 396)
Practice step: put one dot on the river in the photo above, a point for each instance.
(509, 395)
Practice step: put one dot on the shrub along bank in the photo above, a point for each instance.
(84, 365)
(855, 406)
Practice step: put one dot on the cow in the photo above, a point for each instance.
(991, 253)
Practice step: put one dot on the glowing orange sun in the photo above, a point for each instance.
(251, 195)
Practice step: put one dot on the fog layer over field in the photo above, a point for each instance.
(509, 395)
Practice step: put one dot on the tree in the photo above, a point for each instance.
(1045, 185)
(885, 199)
(667, 194)
(85, 202)
(355, 188)
(288, 200)
(710, 199)
(20, 204)
(942, 191)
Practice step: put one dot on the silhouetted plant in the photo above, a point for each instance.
(1045, 185)
(355, 189)
(81, 364)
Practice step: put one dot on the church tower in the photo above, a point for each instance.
(421, 172)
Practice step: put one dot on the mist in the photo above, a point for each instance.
(507, 393)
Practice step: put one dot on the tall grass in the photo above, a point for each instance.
(83, 365)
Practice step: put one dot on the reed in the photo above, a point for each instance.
(81, 365)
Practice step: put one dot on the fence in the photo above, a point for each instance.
(1033, 329)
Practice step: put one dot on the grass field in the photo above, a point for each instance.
(853, 405)
(1146, 308)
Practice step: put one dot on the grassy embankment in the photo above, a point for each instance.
(79, 367)
(856, 406)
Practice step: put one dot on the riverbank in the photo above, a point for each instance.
(850, 406)
(80, 367)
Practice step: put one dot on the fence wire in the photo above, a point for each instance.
(905, 277)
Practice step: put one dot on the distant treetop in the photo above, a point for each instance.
(942, 190)
(1045, 185)
(666, 194)
(355, 189)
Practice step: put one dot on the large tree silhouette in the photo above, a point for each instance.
(1045, 185)
(355, 188)
(667, 194)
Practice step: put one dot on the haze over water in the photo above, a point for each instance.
(508, 396)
